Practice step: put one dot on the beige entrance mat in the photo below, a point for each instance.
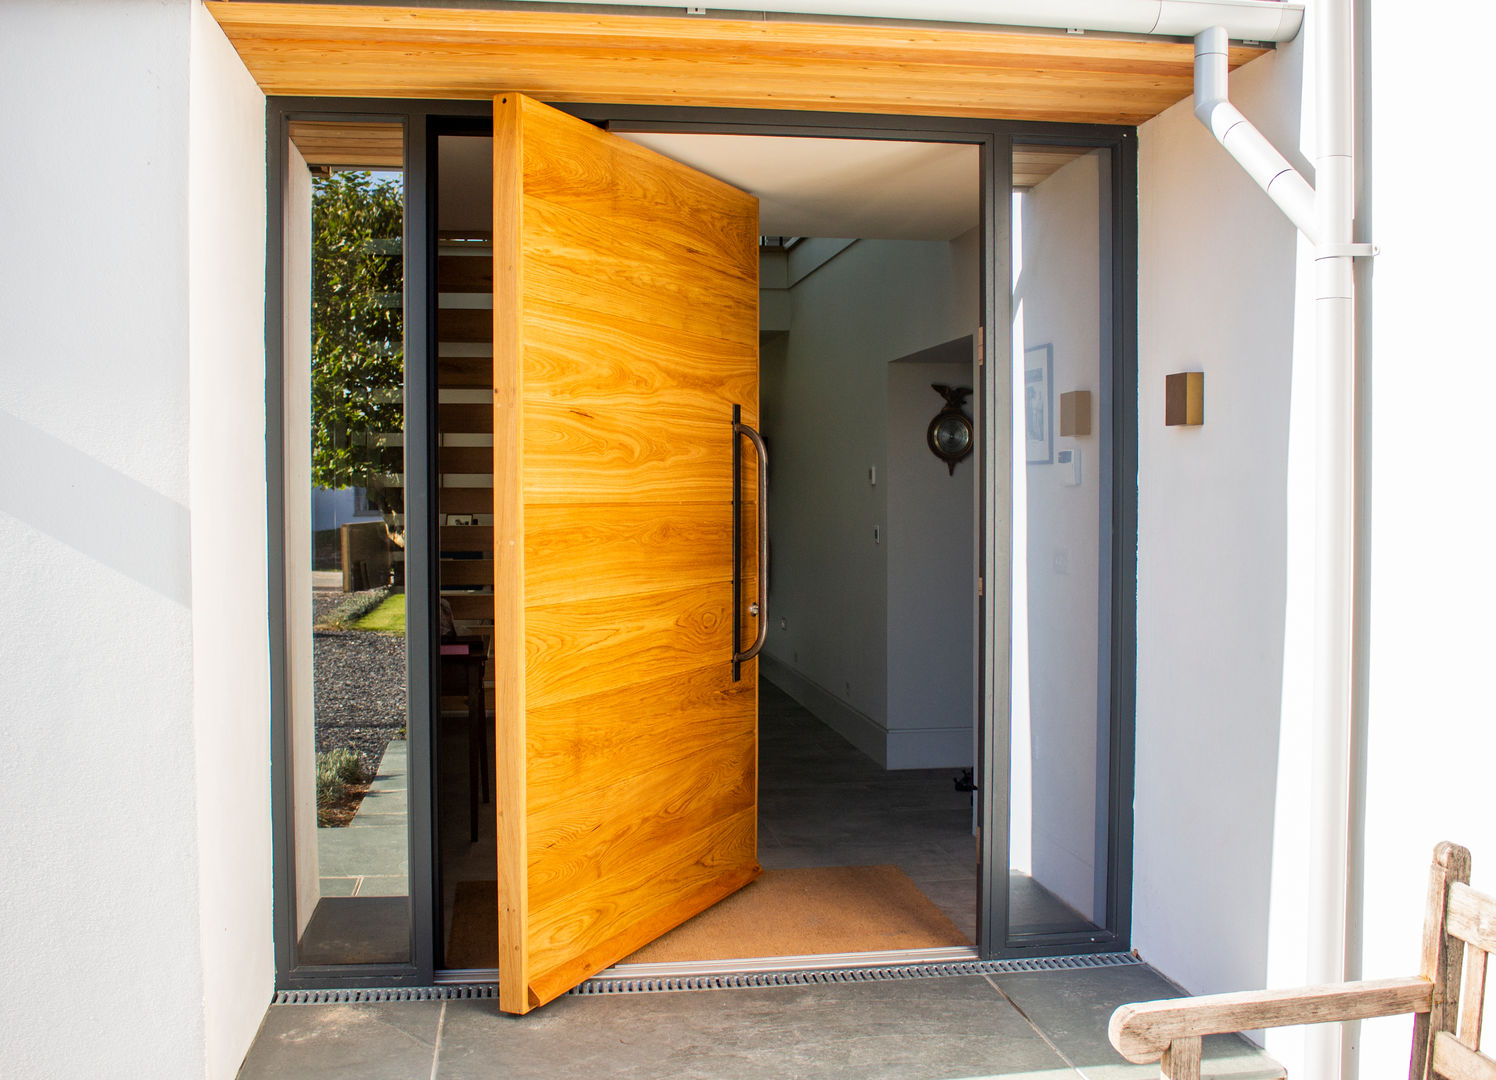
(827, 909)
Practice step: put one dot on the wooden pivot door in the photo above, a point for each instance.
(625, 330)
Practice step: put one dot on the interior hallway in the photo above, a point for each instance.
(822, 802)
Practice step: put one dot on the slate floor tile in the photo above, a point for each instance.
(918, 1029)
(1073, 1009)
(394, 1041)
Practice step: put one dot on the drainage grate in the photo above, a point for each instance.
(744, 981)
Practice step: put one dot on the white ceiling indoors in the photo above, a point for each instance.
(842, 188)
(849, 188)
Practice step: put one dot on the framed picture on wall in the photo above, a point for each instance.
(1038, 403)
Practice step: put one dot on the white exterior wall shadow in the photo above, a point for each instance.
(1221, 848)
(1432, 725)
(1225, 534)
(99, 914)
(230, 612)
(136, 772)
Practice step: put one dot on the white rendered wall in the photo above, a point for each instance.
(1057, 302)
(824, 409)
(931, 571)
(1432, 734)
(231, 674)
(101, 935)
(1225, 529)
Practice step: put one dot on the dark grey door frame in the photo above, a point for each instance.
(994, 140)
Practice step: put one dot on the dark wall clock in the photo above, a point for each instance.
(950, 434)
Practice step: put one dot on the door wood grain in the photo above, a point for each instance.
(625, 328)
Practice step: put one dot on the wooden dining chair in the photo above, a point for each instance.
(1446, 997)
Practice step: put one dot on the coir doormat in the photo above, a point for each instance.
(800, 912)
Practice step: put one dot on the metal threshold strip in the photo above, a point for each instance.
(748, 974)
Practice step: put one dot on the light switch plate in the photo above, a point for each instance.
(1068, 462)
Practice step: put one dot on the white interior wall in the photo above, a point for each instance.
(1058, 301)
(1224, 516)
(231, 671)
(931, 598)
(1431, 737)
(824, 408)
(101, 938)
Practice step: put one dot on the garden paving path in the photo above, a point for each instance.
(368, 856)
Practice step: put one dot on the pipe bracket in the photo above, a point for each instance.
(1347, 251)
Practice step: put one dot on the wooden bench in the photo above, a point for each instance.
(1446, 997)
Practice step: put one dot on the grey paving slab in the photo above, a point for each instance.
(354, 852)
(391, 773)
(337, 886)
(359, 1042)
(380, 885)
(1072, 1009)
(381, 802)
(918, 1029)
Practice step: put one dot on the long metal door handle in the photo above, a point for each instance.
(760, 609)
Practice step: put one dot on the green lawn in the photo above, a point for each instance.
(387, 618)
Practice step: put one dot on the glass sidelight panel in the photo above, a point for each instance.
(1060, 749)
(464, 744)
(345, 398)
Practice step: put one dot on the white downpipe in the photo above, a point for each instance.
(1250, 20)
(1325, 214)
(1268, 168)
(1334, 557)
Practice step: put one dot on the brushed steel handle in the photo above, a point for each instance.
(760, 609)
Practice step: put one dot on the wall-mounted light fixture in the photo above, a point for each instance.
(1184, 399)
(1075, 413)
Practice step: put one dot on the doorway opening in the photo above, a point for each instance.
(881, 658)
(869, 294)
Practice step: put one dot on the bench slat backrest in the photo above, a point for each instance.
(1458, 936)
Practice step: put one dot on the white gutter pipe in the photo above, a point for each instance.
(1270, 169)
(1325, 214)
(1243, 20)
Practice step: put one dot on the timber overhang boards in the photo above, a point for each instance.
(558, 56)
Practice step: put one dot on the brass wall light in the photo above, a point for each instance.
(1184, 399)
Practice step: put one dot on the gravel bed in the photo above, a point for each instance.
(324, 602)
(358, 691)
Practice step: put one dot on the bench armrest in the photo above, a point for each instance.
(1141, 1032)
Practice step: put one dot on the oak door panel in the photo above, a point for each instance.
(625, 330)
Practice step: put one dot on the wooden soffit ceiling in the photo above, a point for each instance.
(377, 51)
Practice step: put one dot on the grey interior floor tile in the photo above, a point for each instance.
(822, 802)
(917, 1029)
(1034, 909)
(393, 1041)
(357, 930)
(1072, 1009)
